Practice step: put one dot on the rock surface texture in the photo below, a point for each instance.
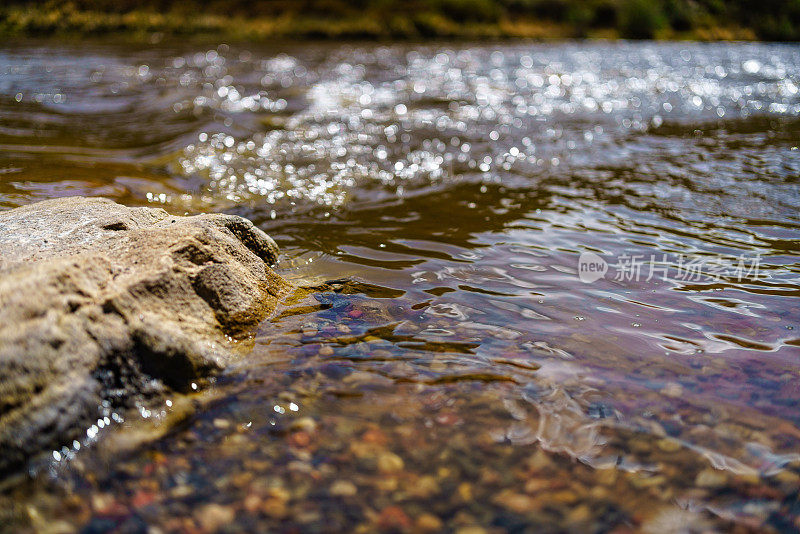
(101, 304)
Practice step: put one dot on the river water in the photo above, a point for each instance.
(548, 287)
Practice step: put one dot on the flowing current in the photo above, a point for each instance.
(548, 287)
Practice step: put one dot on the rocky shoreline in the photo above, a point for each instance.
(105, 305)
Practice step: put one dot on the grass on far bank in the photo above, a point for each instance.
(65, 20)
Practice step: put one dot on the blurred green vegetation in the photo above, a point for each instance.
(409, 19)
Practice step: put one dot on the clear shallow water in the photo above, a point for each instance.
(456, 369)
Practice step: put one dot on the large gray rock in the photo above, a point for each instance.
(104, 303)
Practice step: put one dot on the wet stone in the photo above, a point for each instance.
(102, 304)
(711, 478)
(343, 488)
(213, 517)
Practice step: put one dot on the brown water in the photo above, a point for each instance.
(455, 373)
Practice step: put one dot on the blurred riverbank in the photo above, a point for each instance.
(392, 20)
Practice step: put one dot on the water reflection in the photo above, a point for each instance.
(444, 361)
